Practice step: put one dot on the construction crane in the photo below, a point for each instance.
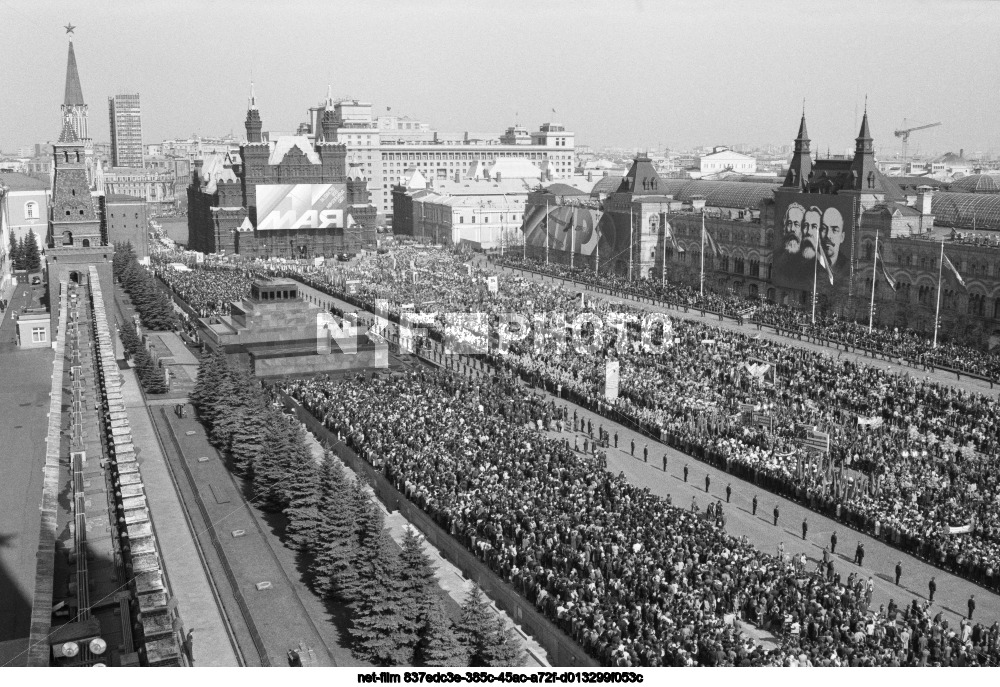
(905, 132)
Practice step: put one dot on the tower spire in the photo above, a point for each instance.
(801, 163)
(74, 93)
(329, 96)
(252, 104)
(864, 139)
(802, 140)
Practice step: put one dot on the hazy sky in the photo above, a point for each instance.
(625, 73)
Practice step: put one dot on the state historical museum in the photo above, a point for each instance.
(286, 198)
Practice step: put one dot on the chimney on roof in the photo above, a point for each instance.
(961, 153)
(498, 177)
(590, 176)
(924, 196)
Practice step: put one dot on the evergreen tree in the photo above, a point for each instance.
(14, 251)
(232, 403)
(475, 624)
(20, 253)
(149, 375)
(333, 571)
(130, 340)
(30, 256)
(154, 307)
(211, 372)
(439, 645)
(416, 577)
(275, 462)
(123, 256)
(380, 632)
(297, 456)
(247, 442)
(303, 508)
(502, 648)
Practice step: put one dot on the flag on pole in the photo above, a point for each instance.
(947, 263)
(881, 262)
(712, 245)
(670, 234)
(825, 263)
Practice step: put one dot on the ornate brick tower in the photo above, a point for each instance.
(75, 239)
(73, 221)
(253, 123)
(332, 154)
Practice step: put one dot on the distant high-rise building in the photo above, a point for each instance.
(126, 130)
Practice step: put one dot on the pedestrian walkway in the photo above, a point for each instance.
(879, 561)
(188, 581)
(182, 355)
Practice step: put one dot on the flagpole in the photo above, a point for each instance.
(937, 311)
(524, 239)
(701, 291)
(815, 270)
(631, 245)
(597, 262)
(631, 241)
(546, 231)
(871, 310)
(663, 269)
(571, 232)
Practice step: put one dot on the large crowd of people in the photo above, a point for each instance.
(911, 461)
(893, 342)
(209, 289)
(634, 580)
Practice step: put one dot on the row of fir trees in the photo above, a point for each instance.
(397, 613)
(151, 378)
(154, 307)
(24, 253)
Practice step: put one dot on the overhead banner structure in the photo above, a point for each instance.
(806, 222)
(612, 380)
(302, 206)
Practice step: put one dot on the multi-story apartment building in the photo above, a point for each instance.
(125, 119)
(385, 147)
